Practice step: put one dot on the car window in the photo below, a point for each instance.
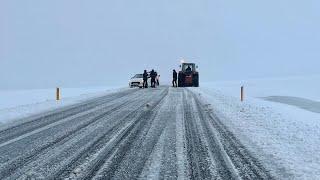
(138, 76)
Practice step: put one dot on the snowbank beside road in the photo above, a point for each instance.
(307, 87)
(285, 137)
(23, 103)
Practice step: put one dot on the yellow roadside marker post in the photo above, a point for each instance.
(58, 94)
(242, 94)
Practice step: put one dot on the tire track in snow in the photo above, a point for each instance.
(239, 161)
(162, 163)
(176, 137)
(83, 115)
(52, 117)
(8, 168)
(133, 152)
(107, 166)
(181, 142)
(71, 154)
(152, 168)
(197, 153)
(218, 166)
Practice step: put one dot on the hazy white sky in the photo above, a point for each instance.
(103, 42)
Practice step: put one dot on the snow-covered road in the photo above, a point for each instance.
(164, 133)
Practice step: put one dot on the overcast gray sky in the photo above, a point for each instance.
(78, 43)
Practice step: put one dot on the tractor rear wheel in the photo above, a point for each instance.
(181, 80)
(196, 81)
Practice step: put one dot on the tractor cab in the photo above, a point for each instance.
(188, 67)
(188, 76)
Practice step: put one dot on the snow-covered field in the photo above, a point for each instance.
(297, 86)
(15, 104)
(285, 134)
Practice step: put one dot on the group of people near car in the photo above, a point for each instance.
(154, 78)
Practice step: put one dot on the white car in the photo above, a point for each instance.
(137, 81)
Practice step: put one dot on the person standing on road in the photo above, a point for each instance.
(145, 79)
(158, 80)
(175, 77)
(153, 76)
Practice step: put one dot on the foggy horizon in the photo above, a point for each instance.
(45, 44)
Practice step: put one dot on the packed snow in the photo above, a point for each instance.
(295, 86)
(278, 121)
(16, 104)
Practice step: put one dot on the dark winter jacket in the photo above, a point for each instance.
(145, 76)
(153, 75)
(175, 75)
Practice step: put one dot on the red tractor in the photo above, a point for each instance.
(188, 76)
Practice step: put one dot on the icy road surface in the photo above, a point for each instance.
(164, 133)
